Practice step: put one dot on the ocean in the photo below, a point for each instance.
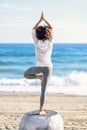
(69, 74)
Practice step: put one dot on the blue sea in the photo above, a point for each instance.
(69, 68)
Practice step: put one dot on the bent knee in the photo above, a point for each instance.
(29, 76)
(26, 75)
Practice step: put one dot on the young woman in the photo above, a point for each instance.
(42, 36)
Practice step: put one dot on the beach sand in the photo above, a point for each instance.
(73, 109)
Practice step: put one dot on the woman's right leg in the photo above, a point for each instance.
(46, 75)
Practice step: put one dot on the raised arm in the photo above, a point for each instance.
(37, 24)
(42, 18)
(48, 24)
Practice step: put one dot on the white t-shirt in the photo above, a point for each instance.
(43, 50)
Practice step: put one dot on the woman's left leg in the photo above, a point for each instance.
(32, 72)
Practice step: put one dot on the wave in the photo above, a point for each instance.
(73, 83)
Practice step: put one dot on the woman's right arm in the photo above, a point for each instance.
(48, 24)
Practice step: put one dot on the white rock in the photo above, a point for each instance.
(49, 121)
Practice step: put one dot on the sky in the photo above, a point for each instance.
(68, 18)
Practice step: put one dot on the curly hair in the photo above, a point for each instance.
(43, 33)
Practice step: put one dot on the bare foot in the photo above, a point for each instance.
(42, 113)
(39, 77)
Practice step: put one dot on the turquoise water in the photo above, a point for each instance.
(16, 58)
(68, 60)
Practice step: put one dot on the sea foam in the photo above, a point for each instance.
(74, 83)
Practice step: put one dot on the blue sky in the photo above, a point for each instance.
(68, 18)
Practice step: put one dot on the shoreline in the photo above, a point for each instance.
(72, 108)
(38, 93)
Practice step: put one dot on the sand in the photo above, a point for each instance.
(73, 109)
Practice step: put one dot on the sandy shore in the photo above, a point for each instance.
(73, 109)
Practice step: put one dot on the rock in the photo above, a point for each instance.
(49, 121)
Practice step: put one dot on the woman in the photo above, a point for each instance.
(42, 36)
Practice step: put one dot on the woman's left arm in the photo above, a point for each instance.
(37, 24)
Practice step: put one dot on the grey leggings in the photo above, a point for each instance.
(32, 74)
